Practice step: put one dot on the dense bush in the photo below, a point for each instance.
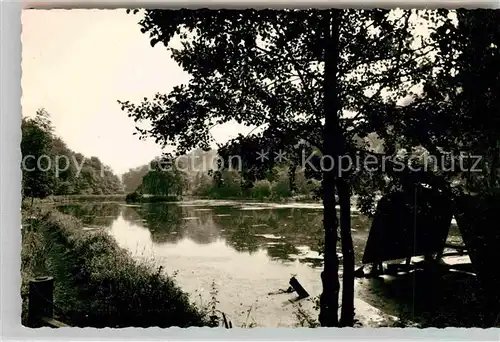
(261, 189)
(276, 185)
(133, 197)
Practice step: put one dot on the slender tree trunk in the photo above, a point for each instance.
(494, 165)
(347, 312)
(335, 146)
(291, 177)
(329, 299)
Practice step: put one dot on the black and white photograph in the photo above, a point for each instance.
(260, 168)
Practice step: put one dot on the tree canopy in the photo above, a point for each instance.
(265, 69)
(457, 114)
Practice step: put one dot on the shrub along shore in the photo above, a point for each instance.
(97, 283)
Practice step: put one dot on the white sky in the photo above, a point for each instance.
(78, 63)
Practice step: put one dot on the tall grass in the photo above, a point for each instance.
(98, 284)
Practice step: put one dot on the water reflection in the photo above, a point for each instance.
(286, 234)
(278, 231)
(93, 214)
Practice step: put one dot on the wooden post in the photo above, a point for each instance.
(226, 324)
(298, 288)
(40, 300)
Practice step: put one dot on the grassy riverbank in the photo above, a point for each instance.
(110, 198)
(98, 284)
(62, 199)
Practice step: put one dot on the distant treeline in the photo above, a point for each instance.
(50, 168)
(188, 166)
(194, 174)
(193, 178)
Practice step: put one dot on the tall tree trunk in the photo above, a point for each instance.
(291, 177)
(329, 299)
(347, 312)
(494, 165)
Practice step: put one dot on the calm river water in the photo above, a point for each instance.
(247, 251)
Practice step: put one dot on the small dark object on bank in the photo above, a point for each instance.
(280, 291)
(298, 288)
